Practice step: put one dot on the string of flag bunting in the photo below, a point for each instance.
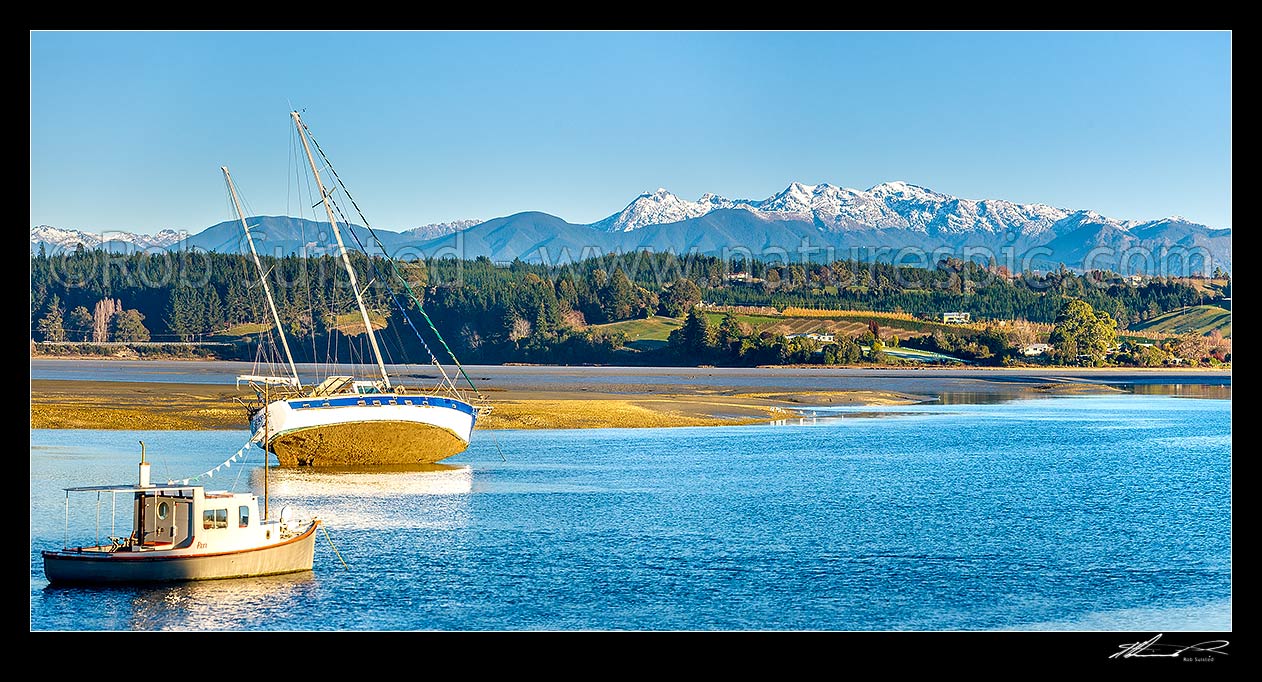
(210, 473)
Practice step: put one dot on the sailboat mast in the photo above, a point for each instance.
(236, 202)
(341, 247)
(266, 404)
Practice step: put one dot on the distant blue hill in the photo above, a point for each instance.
(283, 236)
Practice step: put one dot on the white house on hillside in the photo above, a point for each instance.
(822, 337)
(1036, 349)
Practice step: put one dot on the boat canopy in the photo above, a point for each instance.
(130, 488)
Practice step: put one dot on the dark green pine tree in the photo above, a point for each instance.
(694, 341)
(620, 300)
(185, 313)
(128, 326)
(682, 295)
(729, 336)
(214, 315)
(51, 327)
(80, 324)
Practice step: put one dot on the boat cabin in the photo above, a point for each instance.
(181, 517)
(184, 517)
(181, 532)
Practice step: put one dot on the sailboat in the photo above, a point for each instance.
(348, 420)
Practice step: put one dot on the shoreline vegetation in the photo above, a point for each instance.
(141, 405)
(641, 309)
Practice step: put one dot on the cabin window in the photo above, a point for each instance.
(215, 518)
(163, 510)
(376, 402)
(244, 516)
(407, 402)
(360, 402)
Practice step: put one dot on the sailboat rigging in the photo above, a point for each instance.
(345, 420)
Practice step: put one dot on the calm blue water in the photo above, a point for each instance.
(1078, 513)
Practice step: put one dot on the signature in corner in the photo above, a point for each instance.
(1153, 648)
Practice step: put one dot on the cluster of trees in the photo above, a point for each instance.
(991, 346)
(524, 312)
(698, 341)
(109, 322)
(1082, 335)
(184, 296)
(1191, 348)
(957, 285)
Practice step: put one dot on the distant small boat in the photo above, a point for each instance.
(184, 532)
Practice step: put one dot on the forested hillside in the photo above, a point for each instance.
(522, 312)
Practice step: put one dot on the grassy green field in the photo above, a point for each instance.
(922, 355)
(1205, 286)
(352, 324)
(245, 329)
(645, 334)
(1199, 319)
(846, 324)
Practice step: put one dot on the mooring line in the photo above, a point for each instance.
(330, 539)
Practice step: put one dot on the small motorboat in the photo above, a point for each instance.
(184, 532)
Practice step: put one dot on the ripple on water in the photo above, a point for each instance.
(1018, 515)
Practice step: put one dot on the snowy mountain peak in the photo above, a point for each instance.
(63, 239)
(904, 190)
(433, 230)
(654, 208)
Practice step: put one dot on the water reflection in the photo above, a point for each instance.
(977, 397)
(238, 603)
(384, 481)
(1221, 391)
(824, 417)
(396, 497)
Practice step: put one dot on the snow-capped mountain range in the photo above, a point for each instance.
(57, 237)
(896, 205)
(890, 215)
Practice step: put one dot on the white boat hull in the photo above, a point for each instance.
(96, 565)
(370, 429)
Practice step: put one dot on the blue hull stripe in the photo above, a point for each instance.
(381, 399)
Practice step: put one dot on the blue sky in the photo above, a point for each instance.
(128, 130)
